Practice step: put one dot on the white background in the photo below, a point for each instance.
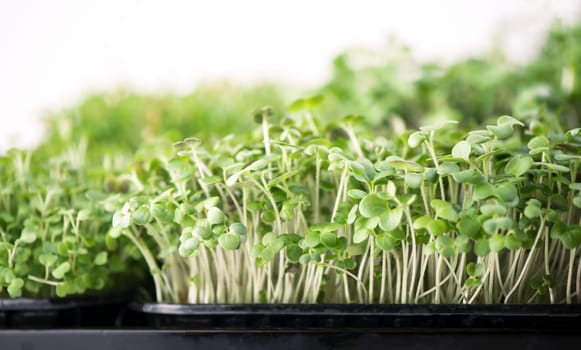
(52, 53)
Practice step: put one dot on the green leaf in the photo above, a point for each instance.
(83, 215)
(506, 119)
(495, 224)
(385, 242)
(15, 288)
(437, 227)
(216, 216)
(305, 259)
(312, 239)
(269, 239)
(360, 235)
(63, 289)
(101, 258)
(180, 169)
(422, 222)
(481, 247)
(539, 143)
(6, 275)
(229, 241)
(325, 227)
(257, 165)
(443, 241)
(391, 219)
(372, 206)
(356, 194)
(363, 171)
(493, 209)
(508, 193)
(162, 212)
(232, 179)
(468, 226)
(47, 259)
(558, 229)
(238, 228)
(502, 132)
(391, 189)
(115, 232)
(429, 248)
(444, 210)
(398, 234)
(482, 191)
(202, 230)
(512, 243)
(293, 253)
(518, 165)
(447, 168)
(352, 216)
(496, 242)
(403, 164)
(268, 253)
(469, 176)
(571, 238)
(463, 244)
(408, 199)
(532, 211)
(416, 138)
(555, 167)
(329, 239)
(141, 216)
(414, 180)
(474, 269)
(268, 216)
(472, 282)
(28, 235)
(462, 150)
(179, 215)
(60, 271)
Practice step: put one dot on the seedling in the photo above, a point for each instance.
(296, 215)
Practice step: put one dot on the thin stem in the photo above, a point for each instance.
(527, 262)
(371, 267)
(570, 274)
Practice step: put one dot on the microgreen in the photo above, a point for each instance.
(437, 219)
(53, 239)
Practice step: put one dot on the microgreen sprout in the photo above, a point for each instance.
(298, 216)
(53, 227)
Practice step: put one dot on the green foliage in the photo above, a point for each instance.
(55, 213)
(458, 203)
(425, 199)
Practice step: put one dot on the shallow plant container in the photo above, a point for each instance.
(39, 313)
(240, 327)
(357, 317)
(70, 312)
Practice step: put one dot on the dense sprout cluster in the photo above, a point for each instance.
(473, 91)
(301, 213)
(54, 217)
(117, 123)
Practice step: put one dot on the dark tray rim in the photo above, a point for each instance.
(55, 303)
(561, 310)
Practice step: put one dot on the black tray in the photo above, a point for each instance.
(39, 313)
(73, 312)
(426, 339)
(364, 317)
